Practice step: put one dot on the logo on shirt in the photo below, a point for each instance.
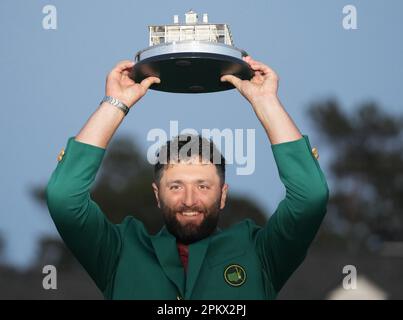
(235, 275)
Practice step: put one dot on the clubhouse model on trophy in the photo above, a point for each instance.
(190, 57)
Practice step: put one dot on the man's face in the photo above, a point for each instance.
(190, 196)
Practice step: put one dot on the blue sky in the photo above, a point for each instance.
(52, 80)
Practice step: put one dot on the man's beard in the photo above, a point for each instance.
(190, 232)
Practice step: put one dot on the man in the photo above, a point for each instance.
(189, 258)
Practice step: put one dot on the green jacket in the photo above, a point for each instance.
(244, 261)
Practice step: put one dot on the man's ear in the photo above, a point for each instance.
(224, 192)
(155, 189)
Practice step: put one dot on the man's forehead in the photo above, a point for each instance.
(197, 161)
(190, 170)
(189, 165)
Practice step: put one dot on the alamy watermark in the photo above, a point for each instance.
(350, 18)
(50, 280)
(49, 21)
(238, 145)
(350, 280)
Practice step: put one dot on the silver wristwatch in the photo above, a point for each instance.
(117, 103)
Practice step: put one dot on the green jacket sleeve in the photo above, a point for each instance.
(283, 243)
(87, 232)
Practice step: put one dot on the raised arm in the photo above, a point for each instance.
(101, 126)
(87, 232)
(261, 92)
(282, 244)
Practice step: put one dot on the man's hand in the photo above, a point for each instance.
(103, 123)
(261, 87)
(123, 88)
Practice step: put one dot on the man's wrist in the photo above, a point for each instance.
(268, 100)
(111, 110)
(116, 103)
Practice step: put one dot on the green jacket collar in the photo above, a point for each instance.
(165, 247)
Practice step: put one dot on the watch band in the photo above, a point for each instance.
(117, 103)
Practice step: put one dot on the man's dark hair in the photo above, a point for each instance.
(186, 146)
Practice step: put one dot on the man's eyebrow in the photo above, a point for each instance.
(203, 181)
(197, 181)
(174, 181)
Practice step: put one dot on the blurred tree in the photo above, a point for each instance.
(53, 251)
(2, 245)
(366, 198)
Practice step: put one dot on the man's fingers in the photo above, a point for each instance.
(147, 82)
(122, 65)
(257, 66)
(266, 70)
(235, 81)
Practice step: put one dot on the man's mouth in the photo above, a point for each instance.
(190, 213)
(190, 216)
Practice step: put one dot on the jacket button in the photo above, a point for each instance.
(60, 156)
(315, 153)
(178, 297)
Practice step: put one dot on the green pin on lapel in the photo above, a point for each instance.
(235, 275)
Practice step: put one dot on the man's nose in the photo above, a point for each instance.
(190, 197)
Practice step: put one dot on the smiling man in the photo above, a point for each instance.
(190, 258)
(190, 187)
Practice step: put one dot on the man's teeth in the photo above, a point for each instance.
(190, 214)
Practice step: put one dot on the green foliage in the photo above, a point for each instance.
(366, 169)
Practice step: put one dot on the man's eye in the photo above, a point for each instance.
(203, 187)
(174, 187)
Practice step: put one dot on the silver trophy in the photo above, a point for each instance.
(190, 57)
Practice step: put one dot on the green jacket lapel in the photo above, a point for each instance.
(167, 253)
(197, 253)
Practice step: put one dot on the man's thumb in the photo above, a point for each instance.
(235, 81)
(146, 83)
